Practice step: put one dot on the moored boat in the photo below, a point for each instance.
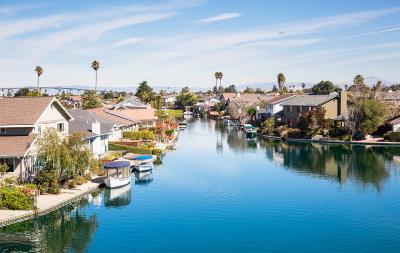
(118, 174)
(144, 167)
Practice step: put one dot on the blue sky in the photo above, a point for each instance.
(178, 42)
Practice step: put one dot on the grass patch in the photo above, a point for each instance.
(175, 113)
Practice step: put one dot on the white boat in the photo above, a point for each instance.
(183, 124)
(144, 167)
(118, 174)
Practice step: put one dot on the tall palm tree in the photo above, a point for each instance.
(39, 72)
(281, 80)
(220, 79)
(359, 80)
(216, 75)
(95, 66)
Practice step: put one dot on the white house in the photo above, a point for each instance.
(22, 119)
(97, 130)
(274, 105)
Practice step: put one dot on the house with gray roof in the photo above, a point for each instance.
(97, 130)
(334, 104)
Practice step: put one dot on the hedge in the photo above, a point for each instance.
(12, 198)
(138, 135)
(135, 150)
(392, 136)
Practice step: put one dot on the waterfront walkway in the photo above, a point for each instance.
(49, 202)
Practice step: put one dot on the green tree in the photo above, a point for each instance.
(373, 115)
(3, 168)
(39, 72)
(144, 92)
(359, 80)
(218, 76)
(185, 98)
(323, 88)
(274, 88)
(157, 103)
(95, 66)
(269, 125)
(231, 88)
(281, 81)
(23, 92)
(90, 100)
(249, 90)
(303, 85)
(313, 122)
(251, 111)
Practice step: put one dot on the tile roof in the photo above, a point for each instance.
(83, 123)
(15, 146)
(22, 110)
(246, 97)
(104, 113)
(392, 95)
(279, 99)
(310, 100)
(137, 114)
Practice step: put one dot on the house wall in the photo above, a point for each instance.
(50, 118)
(99, 145)
(332, 109)
(396, 128)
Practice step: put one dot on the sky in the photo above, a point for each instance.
(184, 42)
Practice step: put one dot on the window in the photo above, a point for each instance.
(60, 127)
(290, 108)
(3, 130)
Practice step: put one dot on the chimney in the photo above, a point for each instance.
(343, 102)
(96, 127)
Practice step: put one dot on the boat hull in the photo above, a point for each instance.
(144, 167)
(117, 182)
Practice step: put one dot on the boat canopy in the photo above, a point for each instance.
(116, 164)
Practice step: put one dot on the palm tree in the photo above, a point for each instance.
(281, 80)
(220, 79)
(303, 85)
(216, 75)
(95, 66)
(39, 72)
(359, 80)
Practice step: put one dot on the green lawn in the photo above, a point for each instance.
(175, 113)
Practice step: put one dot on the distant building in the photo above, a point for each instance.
(274, 105)
(22, 120)
(335, 105)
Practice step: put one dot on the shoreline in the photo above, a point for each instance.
(276, 138)
(50, 202)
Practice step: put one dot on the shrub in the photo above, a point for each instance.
(96, 167)
(13, 198)
(144, 149)
(145, 135)
(47, 181)
(169, 132)
(71, 184)
(346, 137)
(3, 168)
(10, 180)
(294, 133)
(79, 180)
(392, 136)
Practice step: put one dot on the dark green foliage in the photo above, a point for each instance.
(22, 92)
(12, 198)
(136, 150)
(47, 181)
(145, 93)
(90, 100)
(139, 135)
(231, 88)
(169, 132)
(392, 136)
(323, 88)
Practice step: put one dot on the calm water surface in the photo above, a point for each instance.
(220, 193)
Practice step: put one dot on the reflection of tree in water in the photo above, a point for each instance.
(65, 230)
(220, 130)
(369, 165)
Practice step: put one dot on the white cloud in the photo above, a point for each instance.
(128, 41)
(221, 17)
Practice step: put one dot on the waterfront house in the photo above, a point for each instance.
(97, 130)
(395, 123)
(22, 120)
(335, 105)
(274, 105)
(251, 99)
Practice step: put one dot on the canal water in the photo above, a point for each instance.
(218, 192)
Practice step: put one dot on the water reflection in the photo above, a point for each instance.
(117, 197)
(68, 229)
(366, 164)
(143, 178)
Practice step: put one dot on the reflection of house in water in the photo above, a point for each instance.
(117, 197)
(368, 165)
(143, 178)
